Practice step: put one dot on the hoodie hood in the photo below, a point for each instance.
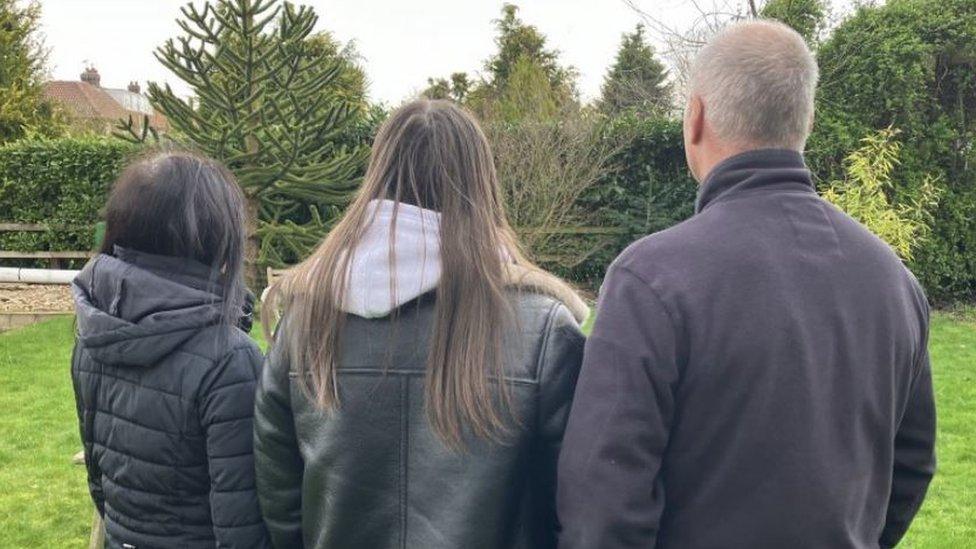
(134, 308)
(414, 268)
(415, 265)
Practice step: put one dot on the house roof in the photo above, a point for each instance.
(131, 101)
(86, 101)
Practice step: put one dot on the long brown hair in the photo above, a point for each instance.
(431, 154)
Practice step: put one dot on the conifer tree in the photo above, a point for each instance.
(637, 81)
(266, 104)
(524, 78)
(23, 109)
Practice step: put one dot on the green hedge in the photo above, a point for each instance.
(650, 189)
(62, 183)
(910, 64)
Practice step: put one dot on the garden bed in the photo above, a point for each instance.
(35, 298)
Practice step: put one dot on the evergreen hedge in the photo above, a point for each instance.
(61, 183)
(649, 190)
(911, 65)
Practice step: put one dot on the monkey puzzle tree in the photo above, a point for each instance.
(267, 103)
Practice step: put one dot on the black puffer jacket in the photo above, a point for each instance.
(373, 475)
(165, 406)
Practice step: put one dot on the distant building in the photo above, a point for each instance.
(99, 109)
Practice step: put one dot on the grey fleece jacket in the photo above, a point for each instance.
(757, 377)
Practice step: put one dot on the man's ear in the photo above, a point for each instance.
(696, 120)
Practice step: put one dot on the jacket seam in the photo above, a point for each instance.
(546, 334)
(734, 197)
(231, 456)
(404, 434)
(211, 359)
(130, 382)
(144, 460)
(137, 424)
(223, 362)
(541, 359)
(234, 526)
(229, 420)
(231, 384)
(412, 373)
(126, 486)
(128, 525)
(234, 491)
(654, 293)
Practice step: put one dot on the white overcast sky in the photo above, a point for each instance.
(402, 42)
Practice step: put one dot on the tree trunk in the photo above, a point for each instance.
(252, 270)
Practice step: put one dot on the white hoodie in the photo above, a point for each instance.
(416, 265)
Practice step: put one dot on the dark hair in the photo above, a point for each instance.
(184, 205)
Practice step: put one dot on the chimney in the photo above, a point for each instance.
(134, 87)
(91, 76)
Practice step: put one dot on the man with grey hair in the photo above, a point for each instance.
(757, 376)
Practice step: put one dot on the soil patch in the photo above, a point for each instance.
(35, 298)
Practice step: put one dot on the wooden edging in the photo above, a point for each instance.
(46, 255)
(11, 320)
(9, 227)
(572, 230)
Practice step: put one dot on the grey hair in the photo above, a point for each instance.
(757, 80)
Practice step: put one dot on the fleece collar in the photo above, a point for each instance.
(758, 170)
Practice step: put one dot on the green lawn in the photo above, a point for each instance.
(44, 501)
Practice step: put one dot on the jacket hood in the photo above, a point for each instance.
(133, 308)
(378, 283)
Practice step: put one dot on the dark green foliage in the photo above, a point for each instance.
(456, 89)
(806, 17)
(524, 78)
(132, 131)
(516, 40)
(23, 109)
(637, 80)
(911, 65)
(650, 190)
(324, 47)
(62, 183)
(276, 104)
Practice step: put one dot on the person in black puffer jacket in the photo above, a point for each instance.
(163, 369)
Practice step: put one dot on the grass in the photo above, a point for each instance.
(948, 517)
(43, 497)
(44, 500)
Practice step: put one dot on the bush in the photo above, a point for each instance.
(910, 64)
(864, 195)
(544, 166)
(62, 183)
(650, 190)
